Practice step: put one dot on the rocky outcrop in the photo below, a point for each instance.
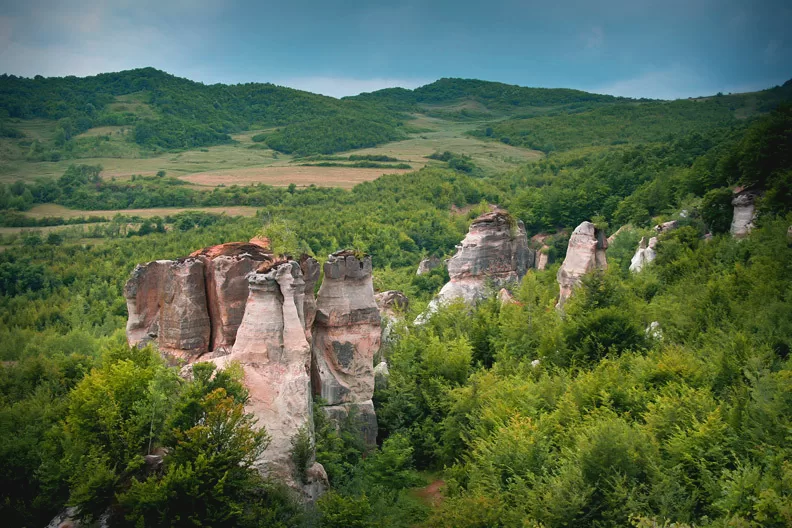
(495, 252)
(665, 227)
(391, 303)
(427, 265)
(645, 254)
(585, 252)
(272, 348)
(193, 305)
(346, 331)
(744, 212)
(310, 270)
(542, 258)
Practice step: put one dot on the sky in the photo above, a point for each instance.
(638, 48)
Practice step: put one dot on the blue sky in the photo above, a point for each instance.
(638, 48)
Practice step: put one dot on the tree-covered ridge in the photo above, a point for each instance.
(494, 96)
(632, 122)
(190, 114)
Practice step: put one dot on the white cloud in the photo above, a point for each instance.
(343, 86)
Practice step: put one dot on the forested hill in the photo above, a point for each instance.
(170, 113)
(491, 96)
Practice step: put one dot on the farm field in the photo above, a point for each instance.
(48, 210)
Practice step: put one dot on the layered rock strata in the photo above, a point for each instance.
(193, 306)
(275, 355)
(495, 252)
(645, 254)
(585, 252)
(346, 335)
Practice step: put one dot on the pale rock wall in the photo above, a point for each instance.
(585, 252)
(744, 214)
(645, 254)
(346, 331)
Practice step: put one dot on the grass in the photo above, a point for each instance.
(46, 210)
(239, 164)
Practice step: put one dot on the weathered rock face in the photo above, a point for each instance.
(494, 251)
(391, 303)
(346, 331)
(194, 305)
(275, 356)
(585, 252)
(542, 258)
(645, 254)
(427, 265)
(143, 293)
(665, 227)
(310, 270)
(744, 213)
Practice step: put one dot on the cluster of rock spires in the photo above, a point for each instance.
(238, 302)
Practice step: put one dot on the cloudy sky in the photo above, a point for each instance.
(640, 48)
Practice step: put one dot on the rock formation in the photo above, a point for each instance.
(666, 227)
(194, 305)
(275, 355)
(585, 252)
(495, 252)
(542, 257)
(744, 212)
(428, 264)
(645, 254)
(391, 303)
(346, 335)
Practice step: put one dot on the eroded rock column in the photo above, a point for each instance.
(346, 335)
(585, 252)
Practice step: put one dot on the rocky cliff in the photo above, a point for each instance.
(275, 355)
(495, 252)
(346, 335)
(744, 212)
(585, 252)
(192, 306)
(645, 254)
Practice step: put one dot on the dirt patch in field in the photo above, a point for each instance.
(343, 177)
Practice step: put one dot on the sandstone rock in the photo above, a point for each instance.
(275, 356)
(744, 212)
(427, 265)
(644, 254)
(391, 303)
(542, 257)
(666, 227)
(381, 375)
(585, 252)
(184, 326)
(346, 331)
(505, 297)
(617, 233)
(653, 331)
(193, 305)
(362, 414)
(789, 234)
(143, 292)
(310, 270)
(494, 252)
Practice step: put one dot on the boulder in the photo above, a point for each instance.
(427, 265)
(275, 357)
(346, 331)
(665, 227)
(392, 303)
(585, 252)
(645, 254)
(381, 375)
(744, 212)
(495, 252)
